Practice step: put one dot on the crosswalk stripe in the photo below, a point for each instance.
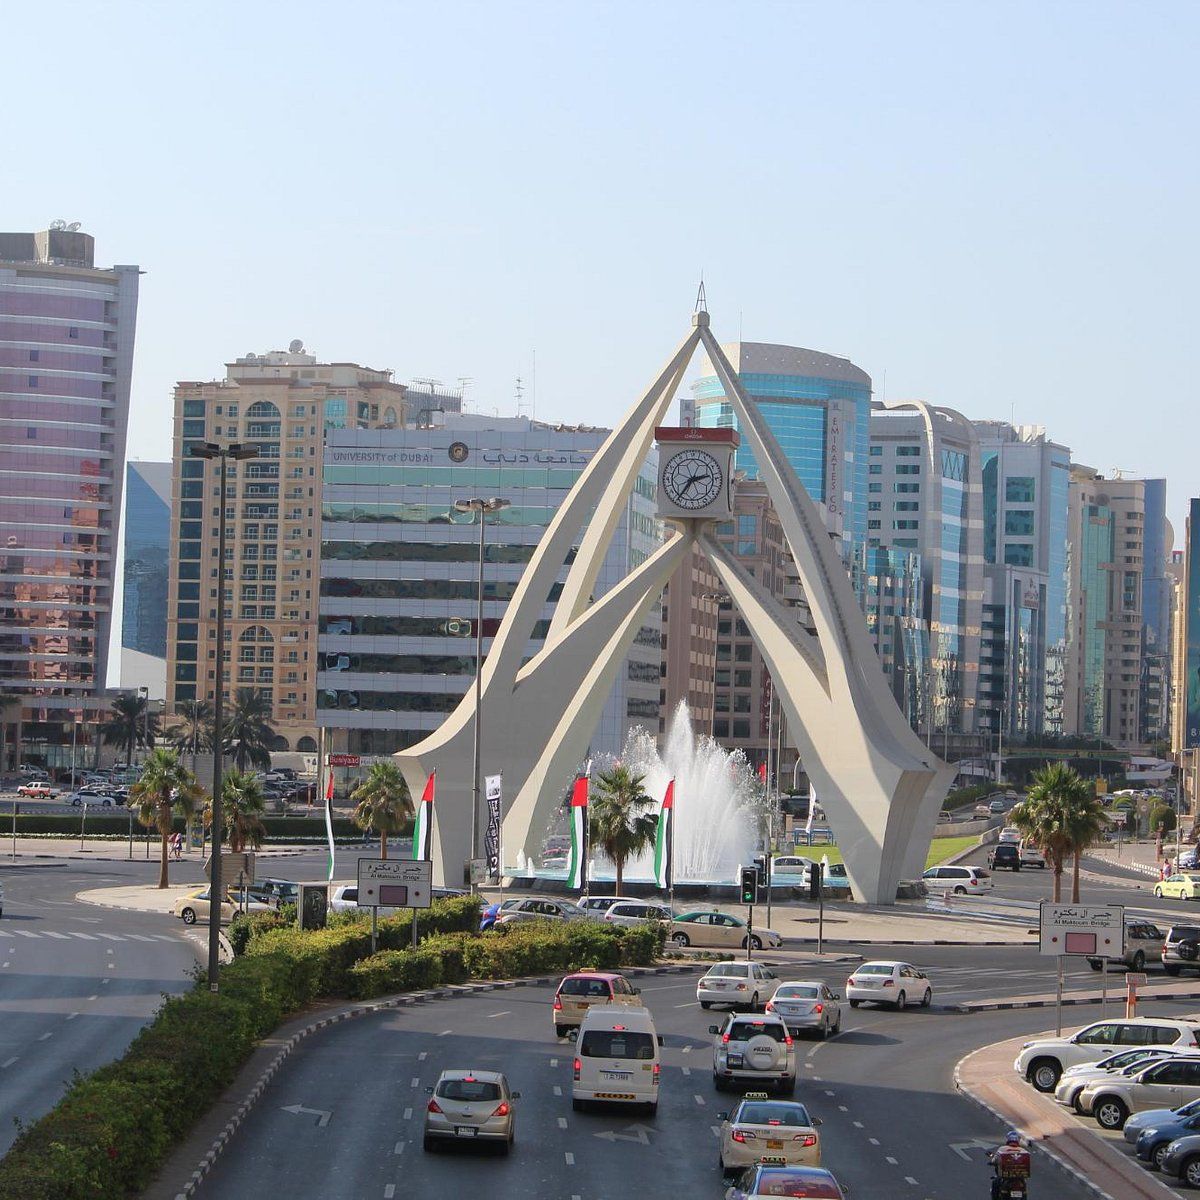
(112, 937)
(51, 933)
(87, 936)
(26, 933)
(139, 937)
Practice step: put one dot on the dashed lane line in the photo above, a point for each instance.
(557, 1090)
(398, 1148)
(9, 1062)
(562, 1122)
(894, 1161)
(416, 1081)
(44, 1036)
(446, 1033)
(408, 1114)
(423, 1056)
(873, 1141)
(570, 1158)
(700, 1100)
(910, 1180)
(389, 1191)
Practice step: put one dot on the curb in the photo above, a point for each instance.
(1065, 1167)
(1050, 1003)
(450, 991)
(898, 942)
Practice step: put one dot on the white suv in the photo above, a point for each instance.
(961, 881)
(753, 1049)
(1042, 1062)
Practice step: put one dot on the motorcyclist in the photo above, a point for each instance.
(1013, 1146)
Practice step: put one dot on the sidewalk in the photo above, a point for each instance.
(1138, 855)
(988, 1078)
(108, 850)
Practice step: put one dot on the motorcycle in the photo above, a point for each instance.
(1010, 1173)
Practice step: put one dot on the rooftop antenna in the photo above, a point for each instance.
(520, 390)
(464, 382)
(701, 299)
(533, 389)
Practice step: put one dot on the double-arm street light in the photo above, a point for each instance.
(482, 506)
(210, 450)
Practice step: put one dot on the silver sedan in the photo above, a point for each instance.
(808, 1005)
(471, 1106)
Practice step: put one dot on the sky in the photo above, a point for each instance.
(986, 206)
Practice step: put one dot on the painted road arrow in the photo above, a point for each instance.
(321, 1115)
(633, 1133)
(961, 1148)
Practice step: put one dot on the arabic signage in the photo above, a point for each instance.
(394, 882)
(1092, 930)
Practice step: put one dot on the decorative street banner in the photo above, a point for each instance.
(423, 828)
(329, 826)
(664, 842)
(492, 786)
(577, 872)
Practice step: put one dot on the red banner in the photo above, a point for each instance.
(343, 760)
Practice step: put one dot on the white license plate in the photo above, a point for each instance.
(465, 1130)
(616, 1075)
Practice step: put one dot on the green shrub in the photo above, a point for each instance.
(1162, 817)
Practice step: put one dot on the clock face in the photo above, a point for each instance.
(692, 479)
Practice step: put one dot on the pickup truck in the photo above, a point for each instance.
(37, 791)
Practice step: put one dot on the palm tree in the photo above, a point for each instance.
(243, 806)
(1061, 815)
(383, 803)
(194, 733)
(619, 823)
(247, 733)
(130, 724)
(165, 787)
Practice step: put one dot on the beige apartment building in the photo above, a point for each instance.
(282, 403)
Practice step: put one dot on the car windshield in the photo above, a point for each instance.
(798, 991)
(616, 1043)
(1179, 932)
(874, 969)
(584, 987)
(754, 1113)
(729, 971)
(783, 1181)
(468, 1089)
(743, 1031)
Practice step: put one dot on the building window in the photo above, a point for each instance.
(908, 451)
(954, 465)
(909, 469)
(876, 451)
(33, 381)
(1018, 522)
(1019, 489)
(1018, 554)
(73, 332)
(874, 487)
(34, 355)
(876, 469)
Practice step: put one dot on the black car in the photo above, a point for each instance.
(1006, 856)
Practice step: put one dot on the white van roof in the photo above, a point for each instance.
(607, 1016)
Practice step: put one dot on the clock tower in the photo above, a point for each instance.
(695, 473)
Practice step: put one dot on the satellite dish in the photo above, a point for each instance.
(74, 225)
(58, 225)
(250, 356)
(296, 346)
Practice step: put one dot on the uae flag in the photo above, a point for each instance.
(423, 827)
(577, 872)
(664, 843)
(329, 825)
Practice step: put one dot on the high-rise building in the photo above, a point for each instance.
(1185, 723)
(399, 571)
(147, 538)
(1106, 528)
(1155, 710)
(66, 359)
(818, 407)
(283, 403)
(924, 495)
(1025, 479)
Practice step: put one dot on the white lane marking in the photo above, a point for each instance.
(72, 1016)
(6, 964)
(700, 1100)
(139, 937)
(910, 1179)
(446, 1033)
(570, 1158)
(112, 937)
(87, 937)
(828, 1092)
(26, 933)
(416, 1081)
(687, 1049)
(44, 1036)
(557, 1090)
(423, 1056)
(62, 937)
(408, 1114)
(894, 1161)
(688, 1005)
(398, 1148)
(104, 981)
(93, 997)
(686, 1070)
(873, 1141)
(111, 967)
(8, 1062)
(554, 1062)
(858, 1125)
(389, 1191)
(716, 1130)
(506, 1013)
(843, 1108)
(562, 1122)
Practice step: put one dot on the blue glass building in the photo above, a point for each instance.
(147, 553)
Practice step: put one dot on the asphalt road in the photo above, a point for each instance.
(893, 1126)
(76, 982)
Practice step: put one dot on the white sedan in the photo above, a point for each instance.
(760, 1126)
(898, 984)
(744, 986)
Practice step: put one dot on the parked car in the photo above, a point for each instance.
(791, 864)
(808, 1005)
(1159, 1085)
(1139, 1122)
(758, 1126)
(475, 1106)
(583, 990)
(1182, 1160)
(535, 908)
(961, 881)
(195, 907)
(1155, 1140)
(1181, 948)
(597, 906)
(1075, 1079)
(897, 984)
(88, 796)
(721, 931)
(753, 1049)
(1005, 857)
(1043, 1060)
(1143, 944)
(1, 899)
(636, 912)
(742, 985)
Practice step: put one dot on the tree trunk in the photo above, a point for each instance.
(164, 828)
(620, 861)
(383, 845)
(1058, 874)
(1075, 878)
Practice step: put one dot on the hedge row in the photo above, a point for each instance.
(112, 1131)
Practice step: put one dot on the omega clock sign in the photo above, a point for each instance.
(695, 472)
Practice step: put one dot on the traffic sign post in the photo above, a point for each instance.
(1088, 930)
(1133, 981)
(394, 883)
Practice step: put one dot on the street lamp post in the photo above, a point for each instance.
(482, 507)
(211, 450)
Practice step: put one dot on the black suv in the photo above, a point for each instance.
(1006, 856)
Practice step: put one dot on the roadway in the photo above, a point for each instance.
(76, 982)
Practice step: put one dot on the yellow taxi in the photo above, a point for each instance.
(583, 990)
(195, 905)
(1183, 885)
(760, 1129)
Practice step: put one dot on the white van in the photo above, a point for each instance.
(616, 1058)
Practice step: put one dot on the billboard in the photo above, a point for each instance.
(1191, 731)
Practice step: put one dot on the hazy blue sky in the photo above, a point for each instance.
(987, 206)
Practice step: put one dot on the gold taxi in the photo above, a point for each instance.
(760, 1129)
(583, 990)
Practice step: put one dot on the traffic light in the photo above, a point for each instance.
(815, 873)
(763, 863)
(748, 877)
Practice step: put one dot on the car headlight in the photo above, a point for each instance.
(1026, 1045)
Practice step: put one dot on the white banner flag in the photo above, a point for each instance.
(492, 789)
